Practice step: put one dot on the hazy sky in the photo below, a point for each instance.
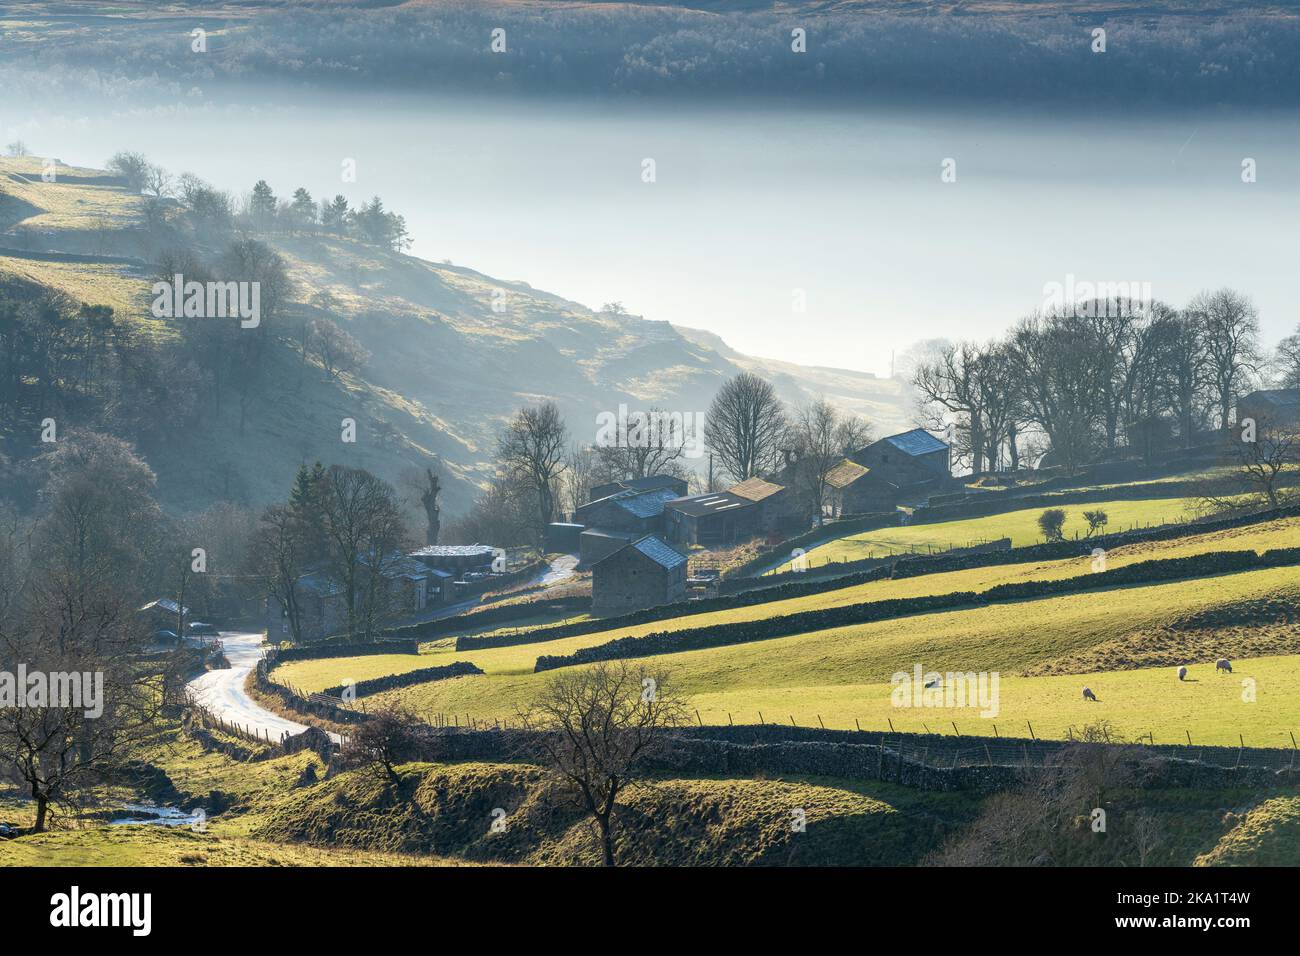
(752, 204)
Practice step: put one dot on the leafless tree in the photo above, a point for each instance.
(822, 437)
(973, 387)
(1189, 373)
(382, 742)
(599, 725)
(1286, 362)
(746, 426)
(580, 471)
(1051, 818)
(654, 444)
(365, 530)
(531, 450)
(1231, 342)
(338, 351)
(1264, 456)
(69, 609)
(280, 560)
(1057, 365)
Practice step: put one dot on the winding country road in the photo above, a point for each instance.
(222, 691)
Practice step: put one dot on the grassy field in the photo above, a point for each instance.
(1020, 526)
(173, 846)
(519, 660)
(448, 809)
(90, 204)
(830, 672)
(1268, 835)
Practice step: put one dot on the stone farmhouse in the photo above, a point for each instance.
(908, 458)
(1277, 407)
(643, 573)
(412, 584)
(648, 483)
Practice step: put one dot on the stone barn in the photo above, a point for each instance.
(711, 520)
(852, 489)
(637, 511)
(456, 558)
(646, 573)
(908, 458)
(649, 483)
(1271, 407)
(773, 502)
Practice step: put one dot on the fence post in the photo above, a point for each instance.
(760, 719)
(698, 719)
(856, 724)
(891, 726)
(955, 731)
(1031, 730)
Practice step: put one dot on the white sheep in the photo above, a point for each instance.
(1088, 694)
(1182, 673)
(1223, 664)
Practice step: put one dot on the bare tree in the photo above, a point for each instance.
(365, 531)
(382, 742)
(1056, 362)
(1231, 343)
(599, 725)
(531, 451)
(429, 502)
(1286, 362)
(280, 560)
(1188, 370)
(337, 350)
(822, 437)
(652, 443)
(579, 477)
(1264, 456)
(746, 426)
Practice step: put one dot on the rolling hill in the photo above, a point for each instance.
(454, 352)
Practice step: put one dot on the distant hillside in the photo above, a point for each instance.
(454, 351)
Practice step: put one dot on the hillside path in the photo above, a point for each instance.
(222, 691)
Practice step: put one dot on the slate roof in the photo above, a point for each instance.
(711, 503)
(845, 473)
(650, 483)
(917, 442)
(644, 504)
(1281, 397)
(755, 489)
(607, 533)
(660, 552)
(453, 551)
(165, 604)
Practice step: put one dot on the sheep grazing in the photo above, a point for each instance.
(1223, 664)
(1088, 694)
(1182, 673)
